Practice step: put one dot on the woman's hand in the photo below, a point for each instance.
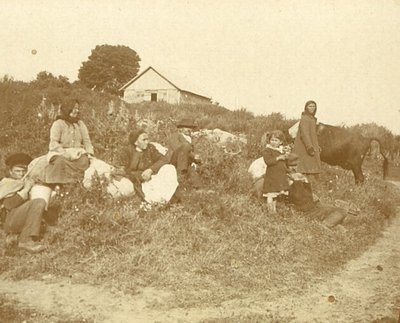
(28, 183)
(146, 175)
(281, 157)
(117, 173)
(311, 151)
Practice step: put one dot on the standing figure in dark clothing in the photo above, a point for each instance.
(22, 216)
(306, 143)
(276, 179)
(154, 179)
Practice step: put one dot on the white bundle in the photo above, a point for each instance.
(257, 168)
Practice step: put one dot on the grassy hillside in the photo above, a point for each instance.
(211, 247)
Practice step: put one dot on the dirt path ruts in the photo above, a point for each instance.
(367, 288)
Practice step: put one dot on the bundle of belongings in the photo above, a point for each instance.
(117, 185)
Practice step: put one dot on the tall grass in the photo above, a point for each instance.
(217, 244)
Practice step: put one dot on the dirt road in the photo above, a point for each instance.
(367, 289)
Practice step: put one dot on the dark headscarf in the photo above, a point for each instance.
(306, 110)
(65, 110)
(134, 135)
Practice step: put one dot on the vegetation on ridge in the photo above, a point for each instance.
(212, 247)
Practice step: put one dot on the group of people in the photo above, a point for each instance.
(283, 162)
(27, 189)
(157, 178)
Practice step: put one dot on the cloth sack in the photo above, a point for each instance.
(257, 168)
(120, 188)
(162, 186)
(293, 130)
(117, 187)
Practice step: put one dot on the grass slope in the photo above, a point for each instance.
(213, 246)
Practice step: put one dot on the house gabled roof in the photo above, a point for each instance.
(163, 77)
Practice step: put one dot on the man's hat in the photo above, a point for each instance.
(18, 159)
(186, 123)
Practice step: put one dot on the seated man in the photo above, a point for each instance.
(155, 181)
(181, 153)
(22, 216)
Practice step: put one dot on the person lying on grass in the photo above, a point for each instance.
(22, 216)
(155, 180)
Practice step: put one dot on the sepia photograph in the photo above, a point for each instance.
(174, 161)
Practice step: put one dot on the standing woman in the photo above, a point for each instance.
(306, 143)
(69, 147)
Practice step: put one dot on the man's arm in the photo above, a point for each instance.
(157, 158)
(13, 201)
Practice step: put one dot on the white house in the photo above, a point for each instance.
(152, 86)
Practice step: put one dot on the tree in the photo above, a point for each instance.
(47, 79)
(109, 67)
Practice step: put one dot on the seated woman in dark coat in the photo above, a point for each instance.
(154, 179)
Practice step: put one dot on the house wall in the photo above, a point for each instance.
(135, 96)
(149, 83)
(152, 83)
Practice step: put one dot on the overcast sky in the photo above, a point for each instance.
(265, 56)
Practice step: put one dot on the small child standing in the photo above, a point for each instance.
(276, 180)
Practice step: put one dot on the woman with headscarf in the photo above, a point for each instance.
(154, 179)
(69, 131)
(69, 149)
(306, 142)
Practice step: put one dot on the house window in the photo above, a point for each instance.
(153, 97)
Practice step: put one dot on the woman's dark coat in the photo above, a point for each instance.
(306, 143)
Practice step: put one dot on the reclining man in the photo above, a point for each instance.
(21, 215)
(181, 154)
